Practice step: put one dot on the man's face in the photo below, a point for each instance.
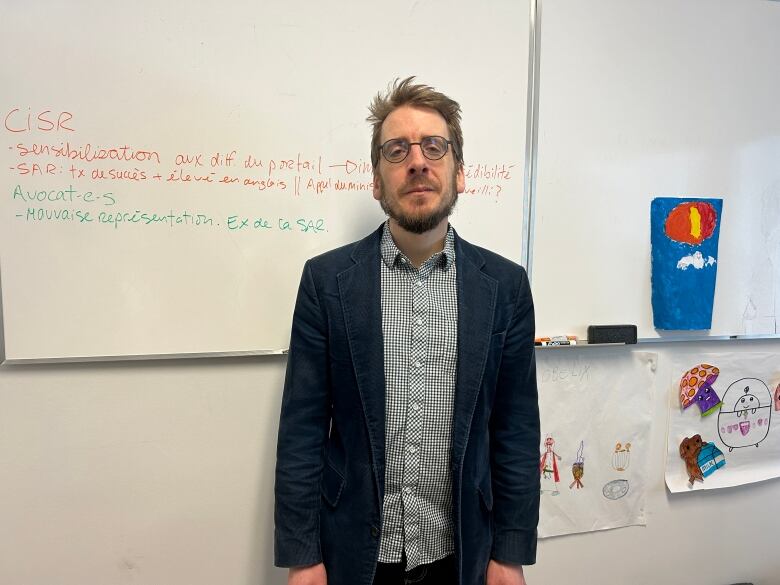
(418, 194)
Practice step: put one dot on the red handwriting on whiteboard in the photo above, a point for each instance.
(46, 121)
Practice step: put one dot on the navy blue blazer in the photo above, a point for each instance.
(330, 465)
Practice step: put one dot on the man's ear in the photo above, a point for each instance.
(377, 191)
(460, 180)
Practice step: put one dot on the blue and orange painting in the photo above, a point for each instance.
(684, 239)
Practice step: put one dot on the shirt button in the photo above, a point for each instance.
(417, 364)
(418, 322)
(374, 531)
(412, 449)
(416, 406)
(408, 490)
(418, 283)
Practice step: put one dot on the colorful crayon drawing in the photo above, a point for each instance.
(621, 457)
(701, 458)
(684, 240)
(548, 466)
(690, 447)
(578, 468)
(746, 414)
(615, 489)
(710, 459)
(777, 397)
(696, 387)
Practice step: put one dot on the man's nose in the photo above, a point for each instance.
(416, 161)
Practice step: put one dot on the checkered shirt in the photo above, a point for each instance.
(420, 329)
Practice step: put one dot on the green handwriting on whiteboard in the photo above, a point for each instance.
(171, 219)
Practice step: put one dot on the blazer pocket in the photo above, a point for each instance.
(485, 490)
(332, 485)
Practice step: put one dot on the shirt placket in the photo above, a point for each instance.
(415, 406)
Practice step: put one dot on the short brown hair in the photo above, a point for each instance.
(405, 93)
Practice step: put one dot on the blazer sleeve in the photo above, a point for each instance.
(514, 439)
(303, 429)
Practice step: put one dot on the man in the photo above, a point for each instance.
(409, 432)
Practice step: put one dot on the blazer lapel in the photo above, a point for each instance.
(476, 308)
(361, 294)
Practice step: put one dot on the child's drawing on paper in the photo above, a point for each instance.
(578, 468)
(684, 236)
(621, 457)
(746, 413)
(738, 431)
(696, 388)
(582, 418)
(615, 489)
(689, 451)
(548, 466)
(701, 458)
(710, 459)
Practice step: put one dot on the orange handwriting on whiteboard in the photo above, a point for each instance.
(46, 121)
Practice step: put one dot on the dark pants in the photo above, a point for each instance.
(441, 572)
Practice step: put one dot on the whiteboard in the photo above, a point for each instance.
(655, 99)
(169, 167)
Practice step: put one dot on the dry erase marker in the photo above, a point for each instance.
(555, 340)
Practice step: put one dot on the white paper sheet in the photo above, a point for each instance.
(743, 428)
(595, 404)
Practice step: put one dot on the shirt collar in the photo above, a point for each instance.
(392, 256)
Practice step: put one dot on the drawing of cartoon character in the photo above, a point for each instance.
(710, 459)
(548, 466)
(578, 468)
(745, 403)
(749, 414)
(689, 451)
(696, 387)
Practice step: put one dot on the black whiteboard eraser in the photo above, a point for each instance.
(611, 333)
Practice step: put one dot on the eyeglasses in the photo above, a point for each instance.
(396, 150)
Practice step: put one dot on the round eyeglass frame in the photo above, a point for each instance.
(409, 145)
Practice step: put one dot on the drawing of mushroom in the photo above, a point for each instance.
(696, 388)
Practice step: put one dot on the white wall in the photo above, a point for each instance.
(158, 473)
(161, 473)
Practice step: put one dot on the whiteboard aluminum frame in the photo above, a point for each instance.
(532, 133)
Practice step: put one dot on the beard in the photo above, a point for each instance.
(419, 223)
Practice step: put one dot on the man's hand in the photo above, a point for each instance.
(314, 575)
(504, 574)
